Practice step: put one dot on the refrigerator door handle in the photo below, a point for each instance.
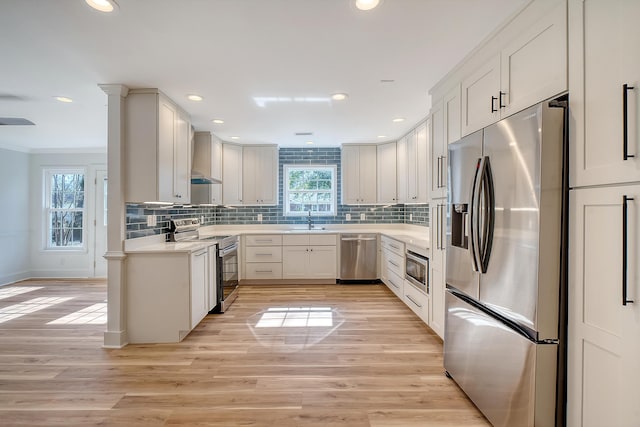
(488, 214)
(625, 253)
(474, 208)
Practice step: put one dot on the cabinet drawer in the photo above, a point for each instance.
(395, 283)
(295, 240)
(392, 244)
(322, 240)
(416, 301)
(263, 253)
(393, 262)
(263, 270)
(263, 240)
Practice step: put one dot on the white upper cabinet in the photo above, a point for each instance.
(438, 152)
(530, 67)
(402, 170)
(260, 175)
(157, 149)
(418, 184)
(359, 166)
(387, 176)
(604, 57)
(231, 174)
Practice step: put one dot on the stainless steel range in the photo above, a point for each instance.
(226, 265)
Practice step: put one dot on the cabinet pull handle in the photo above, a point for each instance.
(393, 263)
(396, 286)
(263, 254)
(264, 271)
(500, 104)
(625, 254)
(625, 121)
(493, 107)
(394, 246)
(413, 301)
(443, 172)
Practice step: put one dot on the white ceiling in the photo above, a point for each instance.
(231, 51)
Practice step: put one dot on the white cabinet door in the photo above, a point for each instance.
(199, 285)
(250, 173)
(322, 262)
(438, 152)
(412, 167)
(182, 159)
(480, 96)
(367, 166)
(603, 49)
(167, 121)
(402, 168)
(359, 174)
(212, 280)
(231, 174)
(295, 261)
(451, 110)
(534, 64)
(437, 285)
(422, 163)
(604, 333)
(387, 161)
(267, 175)
(350, 174)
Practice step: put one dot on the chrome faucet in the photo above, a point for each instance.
(310, 221)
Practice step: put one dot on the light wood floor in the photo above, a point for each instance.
(374, 363)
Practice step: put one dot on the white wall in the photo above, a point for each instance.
(14, 207)
(51, 263)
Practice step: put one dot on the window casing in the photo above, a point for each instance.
(309, 188)
(65, 209)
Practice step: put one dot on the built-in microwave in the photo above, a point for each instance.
(417, 270)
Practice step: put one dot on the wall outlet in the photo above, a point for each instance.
(260, 217)
(410, 217)
(151, 221)
(348, 216)
(362, 216)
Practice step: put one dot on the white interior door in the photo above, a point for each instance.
(100, 264)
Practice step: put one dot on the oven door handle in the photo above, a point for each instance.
(226, 251)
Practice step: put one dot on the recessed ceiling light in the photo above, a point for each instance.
(235, 137)
(339, 96)
(103, 5)
(218, 121)
(310, 142)
(366, 4)
(382, 136)
(194, 97)
(398, 119)
(64, 99)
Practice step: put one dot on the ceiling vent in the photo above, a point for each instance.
(304, 133)
(15, 121)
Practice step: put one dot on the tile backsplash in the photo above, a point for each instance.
(219, 215)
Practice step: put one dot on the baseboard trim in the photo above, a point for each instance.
(116, 339)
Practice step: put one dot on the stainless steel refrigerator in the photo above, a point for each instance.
(504, 237)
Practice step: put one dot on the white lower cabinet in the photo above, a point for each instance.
(395, 283)
(416, 300)
(437, 264)
(604, 307)
(262, 257)
(199, 286)
(167, 294)
(309, 256)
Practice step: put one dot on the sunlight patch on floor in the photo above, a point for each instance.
(95, 314)
(296, 317)
(28, 307)
(8, 292)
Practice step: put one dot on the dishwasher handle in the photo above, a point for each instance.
(357, 239)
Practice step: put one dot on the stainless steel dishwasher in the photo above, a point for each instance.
(358, 257)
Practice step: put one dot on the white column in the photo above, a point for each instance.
(116, 333)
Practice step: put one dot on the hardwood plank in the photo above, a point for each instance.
(376, 364)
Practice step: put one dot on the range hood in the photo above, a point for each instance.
(203, 157)
(199, 178)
